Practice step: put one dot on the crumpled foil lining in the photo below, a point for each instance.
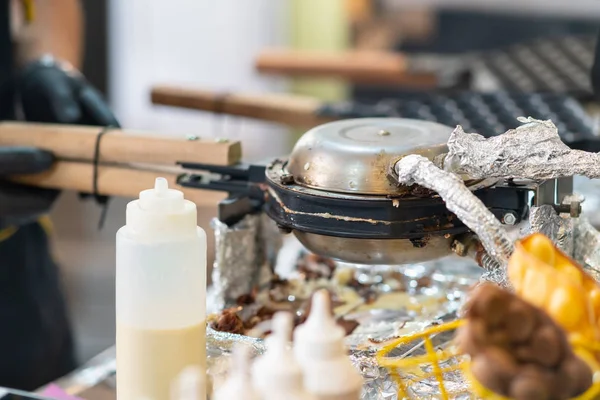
(532, 151)
(270, 241)
(452, 277)
(544, 219)
(415, 169)
(103, 367)
(587, 246)
(232, 274)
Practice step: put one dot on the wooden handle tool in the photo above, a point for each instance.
(112, 181)
(362, 67)
(119, 146)
(127, 163)
(291, 110)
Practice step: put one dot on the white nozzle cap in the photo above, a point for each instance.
(277, 370)
(161, 198)
(320, 337)
(189, 385)
(238, 385)
(161, 211)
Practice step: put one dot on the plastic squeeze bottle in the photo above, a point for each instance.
(160, 294)
(277, 375)
(238, 385)
(319, 348)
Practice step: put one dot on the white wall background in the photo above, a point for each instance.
(205, 43)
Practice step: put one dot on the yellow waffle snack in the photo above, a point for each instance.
(545, 277)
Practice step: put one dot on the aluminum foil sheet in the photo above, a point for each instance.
(532, 151)
(545, 220)
(270, 241)
(240, 261)
(451, 278)
(415, 169)
(587, 246)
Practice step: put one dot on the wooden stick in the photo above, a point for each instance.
(287, 109)
(112, 181)
(118, 146)
(365, 67)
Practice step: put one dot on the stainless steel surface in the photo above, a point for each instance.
(375, 251)
(546, 193)
(564, 188)
(353, 156)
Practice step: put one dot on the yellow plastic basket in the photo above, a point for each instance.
(400, 369)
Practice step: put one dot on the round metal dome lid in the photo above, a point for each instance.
(353, 156)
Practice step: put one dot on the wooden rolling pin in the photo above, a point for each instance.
(371, 68)
(112, 181)
(286, 109)
(119, 146)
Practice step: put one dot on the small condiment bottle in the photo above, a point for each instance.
(320, 350)
(160, 293)
(277, 375)
(238, 385)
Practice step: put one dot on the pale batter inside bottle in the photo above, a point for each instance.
(160, 294)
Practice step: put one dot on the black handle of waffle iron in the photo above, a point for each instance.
(241, 181)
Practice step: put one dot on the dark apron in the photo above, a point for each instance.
(36, 346)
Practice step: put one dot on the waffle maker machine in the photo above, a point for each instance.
(393, 191)
(337, 194)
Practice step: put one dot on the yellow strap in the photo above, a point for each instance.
(29, 10)
(44, 222)
(6, 233)
(47, 225)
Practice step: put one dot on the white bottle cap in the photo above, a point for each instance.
(238, 385)
(320, 337)
(189, 385)
(161, 211)
(277, 370)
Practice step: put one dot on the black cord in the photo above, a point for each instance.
(100, 199)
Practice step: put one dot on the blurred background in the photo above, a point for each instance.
(134, 44)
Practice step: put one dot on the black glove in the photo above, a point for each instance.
(55, 93)
(50, 92)
(21, 204)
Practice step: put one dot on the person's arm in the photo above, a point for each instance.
(57, 29)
